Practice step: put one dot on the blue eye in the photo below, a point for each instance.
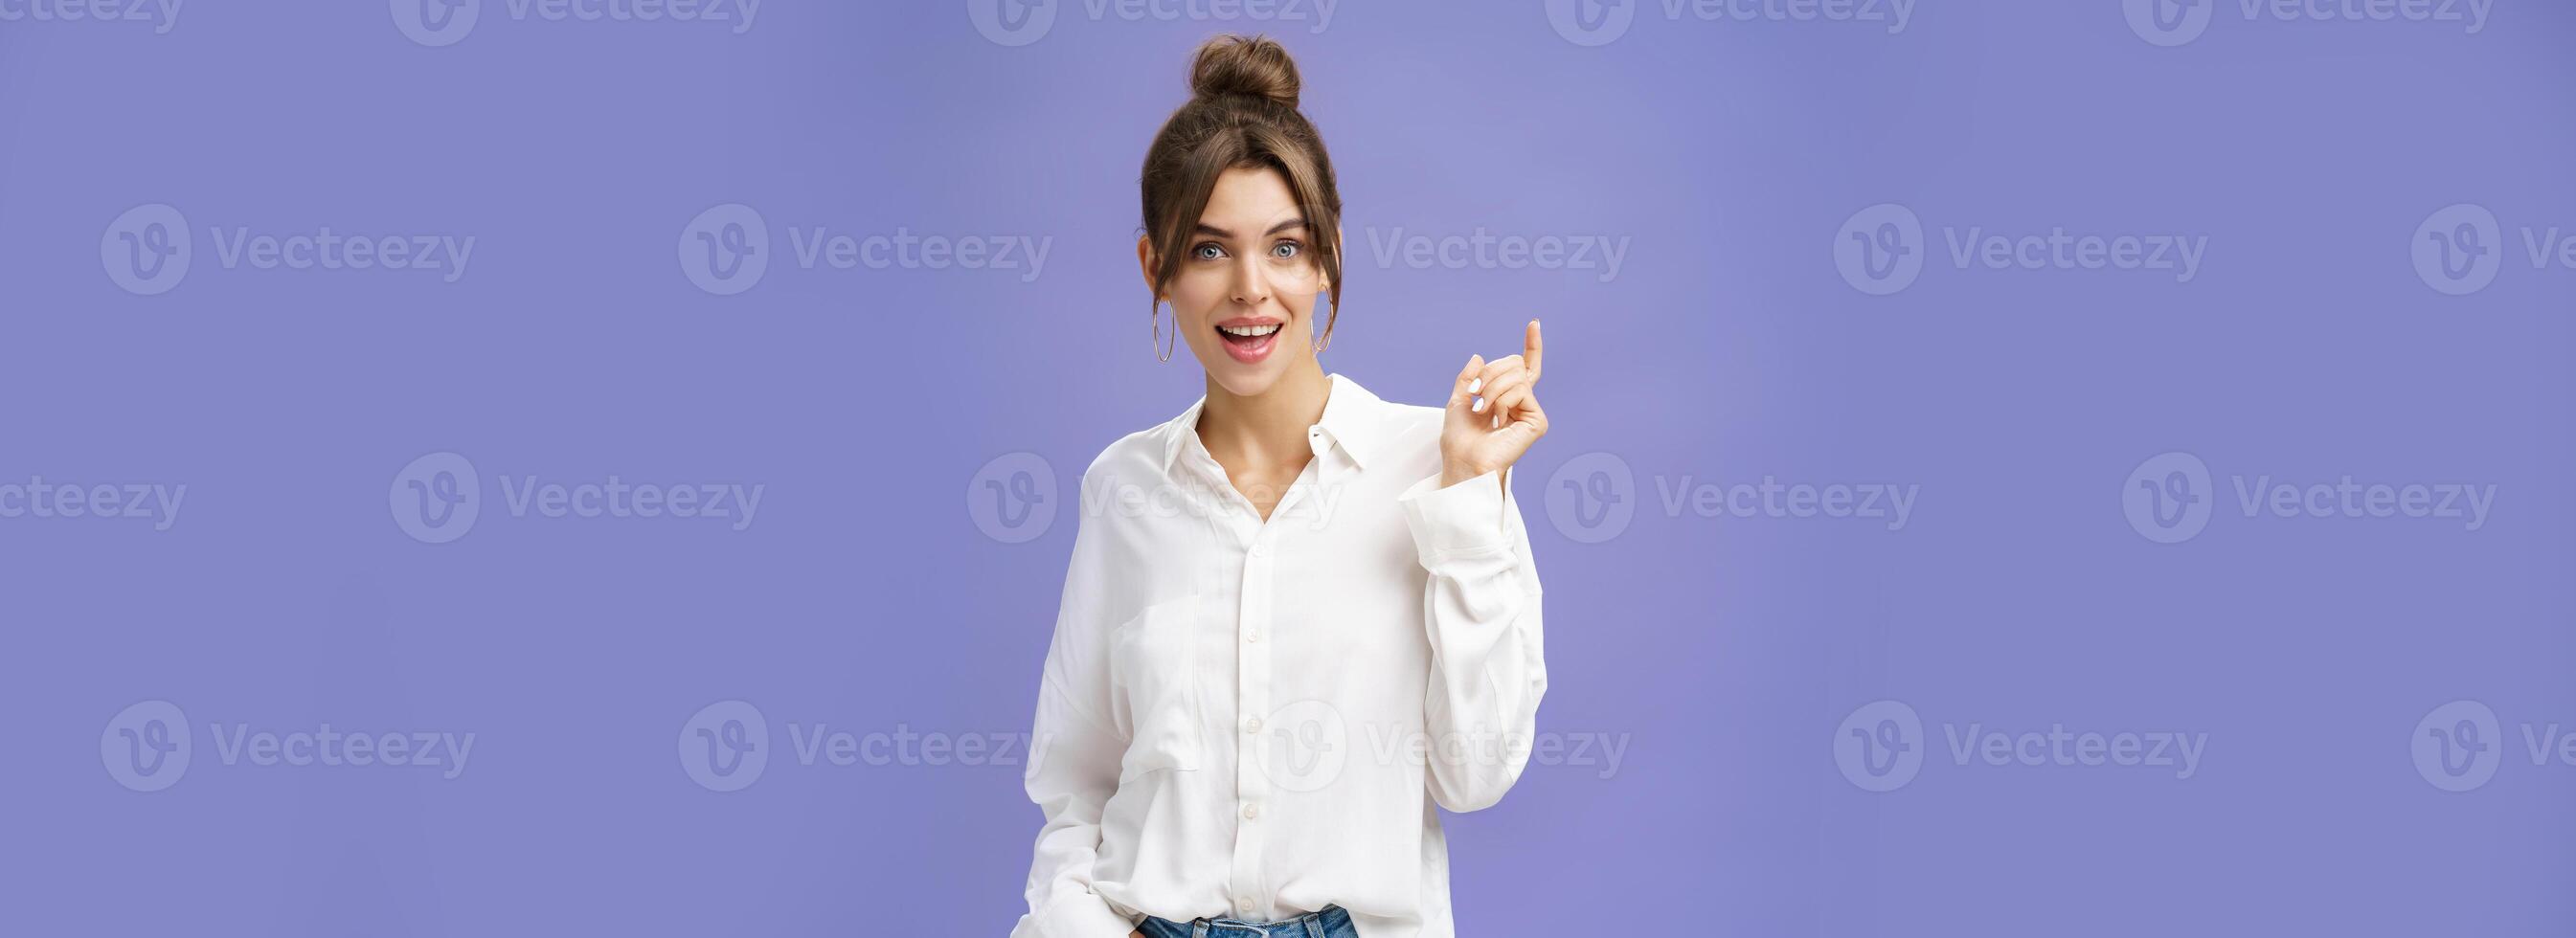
(1207, 251)
(1286, 249)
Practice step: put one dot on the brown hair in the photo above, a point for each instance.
(1242, 114)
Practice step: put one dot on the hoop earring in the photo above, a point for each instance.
(1325, 340)
(1163, 350)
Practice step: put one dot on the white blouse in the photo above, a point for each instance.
(1253, 719)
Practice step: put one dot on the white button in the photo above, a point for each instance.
(1253, 635)
(1252, 724)
(1251, 811)
(1260, 549)
(1244, 904)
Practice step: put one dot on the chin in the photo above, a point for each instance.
(1245, 382)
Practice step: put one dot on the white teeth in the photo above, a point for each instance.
(1249, 331)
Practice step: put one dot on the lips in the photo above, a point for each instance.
(1249, 340)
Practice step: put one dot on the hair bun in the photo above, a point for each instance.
(1250, 66)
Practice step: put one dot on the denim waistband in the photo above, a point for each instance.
(1329, 922)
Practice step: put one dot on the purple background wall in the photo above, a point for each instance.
(2314, 659)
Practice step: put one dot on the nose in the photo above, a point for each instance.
(1251, 282)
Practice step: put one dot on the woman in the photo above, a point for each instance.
(1298, 617)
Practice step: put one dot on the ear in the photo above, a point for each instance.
(1145, 262)
(1339, 242)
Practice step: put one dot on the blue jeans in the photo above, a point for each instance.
(1332, 922)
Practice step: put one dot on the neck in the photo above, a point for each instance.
(1269, 427)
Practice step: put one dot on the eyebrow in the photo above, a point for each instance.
(1205, 228)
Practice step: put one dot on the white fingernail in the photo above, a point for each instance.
(1475, 385)
(1476, 408)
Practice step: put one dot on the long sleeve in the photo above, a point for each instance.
(1074, 756)
(1481, 609)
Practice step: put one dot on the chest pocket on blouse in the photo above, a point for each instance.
(1154, 660)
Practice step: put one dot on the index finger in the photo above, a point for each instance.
(1530, 348)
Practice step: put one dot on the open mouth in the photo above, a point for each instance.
(1249, 342)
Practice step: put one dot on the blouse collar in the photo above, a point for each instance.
(1354, 420)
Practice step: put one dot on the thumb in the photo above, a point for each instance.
(1458, 393)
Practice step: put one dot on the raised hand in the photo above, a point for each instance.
(1493, 413)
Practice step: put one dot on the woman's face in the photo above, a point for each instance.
(1244, 295)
